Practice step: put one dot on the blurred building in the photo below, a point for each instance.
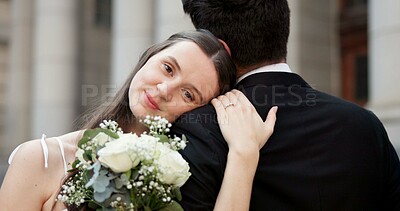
(57, 57)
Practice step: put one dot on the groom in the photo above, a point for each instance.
(325, 153)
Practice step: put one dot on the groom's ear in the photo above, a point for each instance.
(225, 46)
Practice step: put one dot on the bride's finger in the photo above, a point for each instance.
(226, 103)
(232, 98)
(236, 92)
(242, 98)
(271, 119)
(219, 108)
(218, 105)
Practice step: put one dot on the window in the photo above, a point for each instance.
(356, 3)
(354, 50)
(103, 13)
(361, 78)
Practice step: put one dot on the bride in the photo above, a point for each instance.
(186, 71)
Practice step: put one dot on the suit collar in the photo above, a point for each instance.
(271, 79)
(278, 67)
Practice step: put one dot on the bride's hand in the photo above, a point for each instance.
(240, 124)
(245, 132)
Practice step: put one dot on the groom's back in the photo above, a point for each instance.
(325, 154)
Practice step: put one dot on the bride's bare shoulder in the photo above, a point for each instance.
(27, 170)
(28, 154)
(42, 153)
(70, 140)
(38, 166)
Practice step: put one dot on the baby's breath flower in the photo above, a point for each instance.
(110, 125)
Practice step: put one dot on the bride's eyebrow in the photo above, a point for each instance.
(175, 62)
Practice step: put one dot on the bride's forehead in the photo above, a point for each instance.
(184, 47)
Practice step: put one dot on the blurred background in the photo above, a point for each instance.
(57, 57)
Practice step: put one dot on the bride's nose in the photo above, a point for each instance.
(166, 90)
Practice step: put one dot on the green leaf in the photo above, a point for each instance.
(128, 174)
(93, 205)
(163, 138)
(91, 133)
(83, 141)
(88, 155)
(173, 206)
(178, 194)
(146, 208)
(76, 162)
(109, 133)
(134, 174)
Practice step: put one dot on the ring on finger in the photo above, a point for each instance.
(229, 104)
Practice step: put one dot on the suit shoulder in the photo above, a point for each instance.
(200, 126)
(203, 117)
(351, 113)
(347, 108)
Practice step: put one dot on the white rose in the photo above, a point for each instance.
(173, 168)
(101, 139)
(118, 154)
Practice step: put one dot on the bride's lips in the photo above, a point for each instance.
(150, 101)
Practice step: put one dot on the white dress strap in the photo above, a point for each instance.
(45, 150)
(13, 154)
(62, 153)
(44, 147)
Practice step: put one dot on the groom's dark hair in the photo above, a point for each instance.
(256, 31)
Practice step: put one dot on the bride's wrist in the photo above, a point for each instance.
(247, 154)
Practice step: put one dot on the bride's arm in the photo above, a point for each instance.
(246, 133)
(24, 185)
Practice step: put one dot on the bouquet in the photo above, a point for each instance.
(122, 171)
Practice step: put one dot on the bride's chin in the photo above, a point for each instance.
(141, 113)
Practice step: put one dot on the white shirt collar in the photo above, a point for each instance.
(279, 67)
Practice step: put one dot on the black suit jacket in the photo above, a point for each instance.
(325, 153)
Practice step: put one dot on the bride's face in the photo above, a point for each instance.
(176, 80)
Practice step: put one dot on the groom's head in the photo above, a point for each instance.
(256, 31)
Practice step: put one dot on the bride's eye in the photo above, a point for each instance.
(168, 68)
(188, 95)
